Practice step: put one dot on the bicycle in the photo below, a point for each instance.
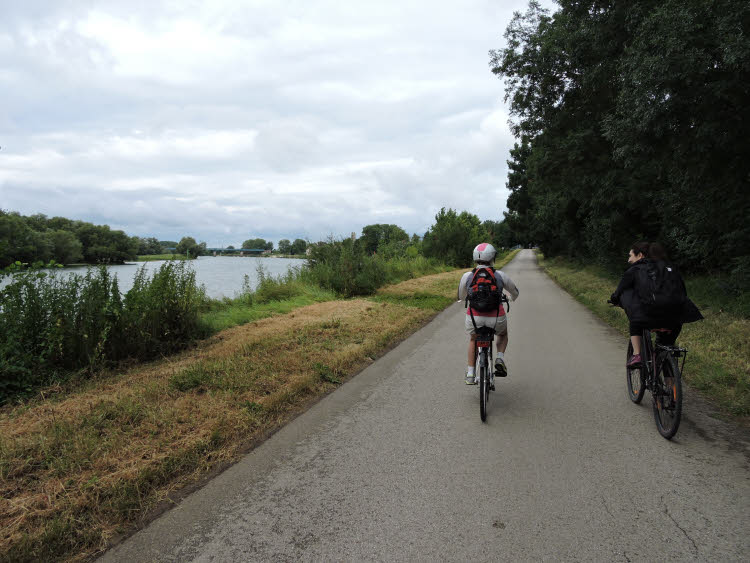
(661, 374)
(483, 354)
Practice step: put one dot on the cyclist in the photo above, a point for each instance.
(484, 257)
(641, 254)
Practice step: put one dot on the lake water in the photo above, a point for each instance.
(221, 275)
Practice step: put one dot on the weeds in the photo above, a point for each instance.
(53, 326)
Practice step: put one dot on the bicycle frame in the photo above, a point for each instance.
(483, 348)
(483, 357)
(654, 356)
(666, 397)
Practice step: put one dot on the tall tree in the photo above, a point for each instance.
(189, 247)
(632, 124)
(453, 237)
(258, 244)
(299, 246)
(375, 235)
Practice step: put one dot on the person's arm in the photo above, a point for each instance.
(508, 285)
(627, 280)
(462, 289)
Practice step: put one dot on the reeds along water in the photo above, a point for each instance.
(53, 325)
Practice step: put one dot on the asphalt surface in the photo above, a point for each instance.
(397, 466)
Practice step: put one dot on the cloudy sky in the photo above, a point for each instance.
(230, 119)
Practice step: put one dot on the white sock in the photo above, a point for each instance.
(470, 370)
(500, 355)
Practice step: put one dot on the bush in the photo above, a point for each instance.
(52, 325)
(344, 267)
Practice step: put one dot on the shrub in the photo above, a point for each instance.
(52, 325)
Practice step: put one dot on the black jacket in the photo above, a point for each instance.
(626, 297)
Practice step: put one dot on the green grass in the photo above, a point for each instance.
(226, 313)
(719, 346)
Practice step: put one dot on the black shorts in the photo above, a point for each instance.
(663, 338)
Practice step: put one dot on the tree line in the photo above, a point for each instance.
(632, 123)
(38, 238)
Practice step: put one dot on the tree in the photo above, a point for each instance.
(518, 224)
(453, 237)
(189, 247)
(299, 246)
(257, 244)
(376, 235)
(66, 248)
(151, 245)
(285, 246)
(633, 124)
(105, 246)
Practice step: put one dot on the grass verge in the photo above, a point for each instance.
(719, 346)
(90, 463)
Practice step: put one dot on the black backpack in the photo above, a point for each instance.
(660, 287)
(485, 290)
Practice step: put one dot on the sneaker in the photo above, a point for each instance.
(635, 361)
(500, 369)
(471, 379)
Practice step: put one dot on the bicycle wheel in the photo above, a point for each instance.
(484, 386)
(667, 395)
(636, 381)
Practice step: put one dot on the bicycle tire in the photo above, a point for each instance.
(484, 387)
(667, 399)
(636, 380)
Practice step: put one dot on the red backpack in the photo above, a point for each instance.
(485, 290)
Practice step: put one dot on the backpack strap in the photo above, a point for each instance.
(471, 314)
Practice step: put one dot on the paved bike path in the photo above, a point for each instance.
(397, 466)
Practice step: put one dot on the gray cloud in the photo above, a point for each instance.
(227, 120)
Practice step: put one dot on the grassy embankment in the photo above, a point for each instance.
(719, 346)
(80, 466)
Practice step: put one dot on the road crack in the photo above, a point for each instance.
(666, 511)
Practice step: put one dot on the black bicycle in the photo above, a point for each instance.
(661, 373)
(484, 366)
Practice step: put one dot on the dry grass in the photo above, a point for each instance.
(437, 283)
(76, 470)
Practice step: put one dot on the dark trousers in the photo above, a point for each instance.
(663, 338)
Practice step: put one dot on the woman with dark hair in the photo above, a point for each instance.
(644, 255)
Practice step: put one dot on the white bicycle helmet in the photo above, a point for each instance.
(484, 252)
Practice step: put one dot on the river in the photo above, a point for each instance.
(222, 276)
